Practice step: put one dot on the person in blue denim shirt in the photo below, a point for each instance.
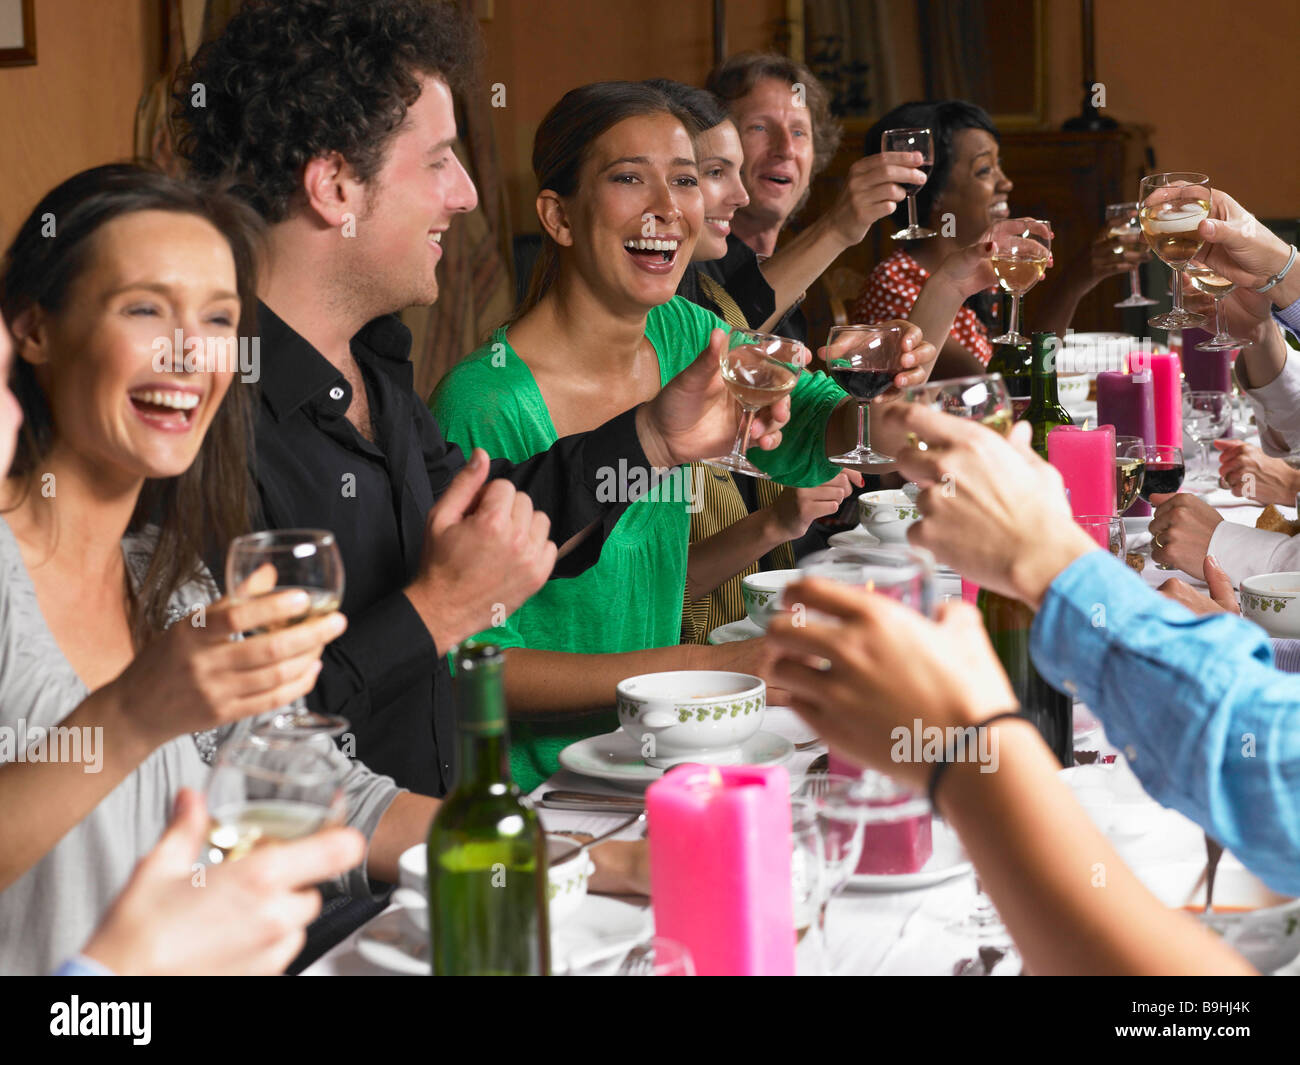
(1208, 724)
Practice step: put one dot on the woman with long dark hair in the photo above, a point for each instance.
(600, 332)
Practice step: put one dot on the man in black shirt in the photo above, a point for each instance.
(335, 119)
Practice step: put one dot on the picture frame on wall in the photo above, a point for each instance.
(17, 33)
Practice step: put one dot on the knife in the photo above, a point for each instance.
(585, 800)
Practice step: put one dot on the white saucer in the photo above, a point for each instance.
(600, 928)
(615, 757)
(947, 860)
(735, 631)
(390, 942)
(856, 537)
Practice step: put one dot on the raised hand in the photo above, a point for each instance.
(797, 508)
(1253, 475)
(872, 190)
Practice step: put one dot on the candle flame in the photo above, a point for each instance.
(871, 586)
(715, 777)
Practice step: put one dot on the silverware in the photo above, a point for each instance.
(1213, 852)
(808, 744)
(820, 764)
(593, 802)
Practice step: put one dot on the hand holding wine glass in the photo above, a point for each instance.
(1217, 288)
(911, 140)
(863, 360)
(302, 560)
(1172, 207)
(1021, 254)
(1125, 231)
(982, 398)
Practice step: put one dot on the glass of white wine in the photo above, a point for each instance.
(1130, 466)
(305, 560)
(1022, 250)
(758, 369)
(1126, 232)
(265, 790)
(1219, 288)
(911, 140)
(982, 398)
(1171, 208)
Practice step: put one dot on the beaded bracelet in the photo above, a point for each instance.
(939, 769)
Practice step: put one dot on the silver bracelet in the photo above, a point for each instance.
(1277, 278)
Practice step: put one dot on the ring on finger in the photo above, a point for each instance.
(1156, 543)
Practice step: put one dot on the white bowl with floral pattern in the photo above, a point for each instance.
(762, 592)
(1272, 601)
(691, 715)
(888, 514)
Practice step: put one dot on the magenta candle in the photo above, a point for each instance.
(1085, 459)
(720, 842)
(1126, 401)
(1166, 393)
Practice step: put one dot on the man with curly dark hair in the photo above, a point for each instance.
(335, 119)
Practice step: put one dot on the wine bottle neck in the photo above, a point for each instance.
(484, 761)
(1042, 386)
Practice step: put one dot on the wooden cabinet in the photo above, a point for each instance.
(1067, 178)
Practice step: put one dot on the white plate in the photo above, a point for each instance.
(615, 757)
(744, 629)
(390, 942)
(600, 928)
(859, 537)
(947, 860)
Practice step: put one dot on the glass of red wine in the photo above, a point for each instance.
(863, 360)
(911, 140)
(1164, 474)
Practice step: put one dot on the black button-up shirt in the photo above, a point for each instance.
(314, 470)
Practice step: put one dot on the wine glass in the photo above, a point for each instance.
(863, 360)
(807, 885)
(265, 790)
(1171, 208)
(1219, 288)
(905, 574)
(1107, 530)
(911, 140)
(657, 956)
(1021, 253)
(1130, 465)
(307, 560)
(983, 398)
(758, 369)
(1164, 473)
(1206, 415)
(1126, 232)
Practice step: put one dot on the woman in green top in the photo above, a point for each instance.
(600, 332)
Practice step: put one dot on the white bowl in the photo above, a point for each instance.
(762, 593)
(1072, 388)
(1272, 601)
(1257, 922)
(887, 514)
(566, 882)
(691, 715)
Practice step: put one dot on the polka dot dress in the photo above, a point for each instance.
(892, 289)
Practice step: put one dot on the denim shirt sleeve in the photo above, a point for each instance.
(1208, 725)
(82, 966)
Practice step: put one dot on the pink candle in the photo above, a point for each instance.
(1166, 391)
(1086, 461)
(720, 867)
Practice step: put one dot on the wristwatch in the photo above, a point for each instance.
(1277, 278)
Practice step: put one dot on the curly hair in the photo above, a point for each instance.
(289, 81)
(739, 74)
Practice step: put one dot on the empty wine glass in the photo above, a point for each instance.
(1126, 232)
(1022, 251)
(863, 360)
(983, 398)
(905, 574)
(306, 560)
(911, 140)
(807, 885)
(1217, 288)
(1107, 530)
(1206, 416)
(758, 369)
(265, 790)
(1171, 208)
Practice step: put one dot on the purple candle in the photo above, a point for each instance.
(1127, 402)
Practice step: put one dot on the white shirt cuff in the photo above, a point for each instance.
(1244, 551)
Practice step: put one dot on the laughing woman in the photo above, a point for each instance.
(600, 332)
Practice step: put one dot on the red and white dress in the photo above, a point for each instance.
(891, 291)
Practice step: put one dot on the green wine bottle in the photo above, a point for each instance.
(1015, 363)
(1007, 622)
(1045, 412)
(487, 852)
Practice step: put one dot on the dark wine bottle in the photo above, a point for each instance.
(487, 852)
(1045, 412)
(1007, 622)
(1015, 363)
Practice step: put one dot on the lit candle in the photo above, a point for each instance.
(1085, 459)
(1126, 401)
(1166, 393)
(720, 876)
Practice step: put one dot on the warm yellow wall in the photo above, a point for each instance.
(76, 107)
